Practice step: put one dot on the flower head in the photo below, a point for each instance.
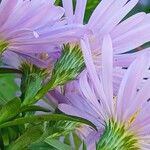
(109, 18)
(33, 27)
(123, 120)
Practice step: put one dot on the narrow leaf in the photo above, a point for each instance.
(43, 118)
(33, 108)
(10, 110)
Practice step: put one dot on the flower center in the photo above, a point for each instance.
(3, 46)
(117, 137)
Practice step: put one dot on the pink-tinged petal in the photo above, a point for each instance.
(17, 20)
(11, 59)
(32, 48)
(70, 110)
(145, 146)
(129, 84)
(124, 60)
(107, 71)
(117, 17)
(92, 139)
(142, 97)
(90, 96)
(143, 119)
(46, 15)
(131, 39)
(127, 24)
(6, 8)
(22, 34)
(32, 59)
(118, 74)
(82, 104)
(79, 11)
(98, 12)
(111, 12)
(92, 70)
(63, 34)
(56, 97)
(68, 6)
(28, 17)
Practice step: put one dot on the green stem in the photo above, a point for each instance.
(41, 93)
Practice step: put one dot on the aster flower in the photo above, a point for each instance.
(108, 17)
(122, 121)
(32, 27)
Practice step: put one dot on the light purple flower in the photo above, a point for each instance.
(124, 34)
(128, 109)
(33, 26)
(106, 19)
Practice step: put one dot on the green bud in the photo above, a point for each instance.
(32, 81)
(67, 68)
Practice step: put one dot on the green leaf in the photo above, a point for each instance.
(91, 5)
(8, 88)
(30, 136)
(9, 70)
(43, 118)
(57, 144)
(58, 3)
(10, 110)
(33, 108)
